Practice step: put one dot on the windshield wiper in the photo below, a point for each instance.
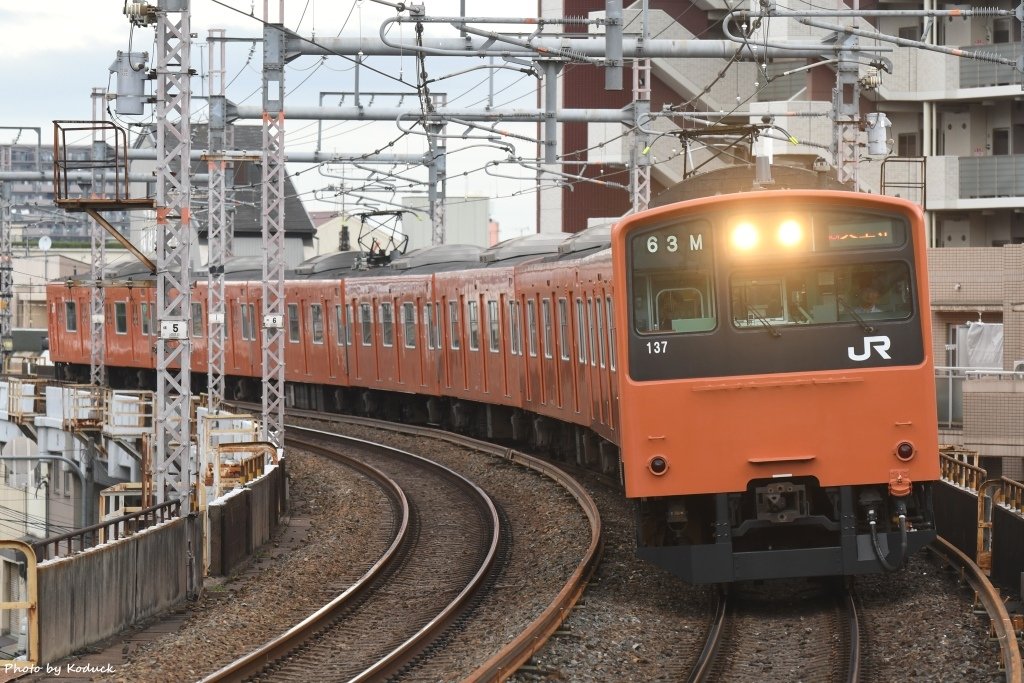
(867, 328)
(764, 321)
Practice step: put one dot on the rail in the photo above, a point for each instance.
(112, 529)
(1002, 624)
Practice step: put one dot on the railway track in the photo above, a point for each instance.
(514, 652)
(819, 632)
(435, 564)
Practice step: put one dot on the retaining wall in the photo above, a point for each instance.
(245, 519)
(95, 594)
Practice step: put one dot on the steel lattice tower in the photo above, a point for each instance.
(172, 476)
(216, 224)
(98, 250)
(272, 223)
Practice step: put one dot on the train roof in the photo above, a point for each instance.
(586, 242)
(517, 249)
(438, 258)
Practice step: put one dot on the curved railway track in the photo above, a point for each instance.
(992, 601)
(509, 657)
(433, 567)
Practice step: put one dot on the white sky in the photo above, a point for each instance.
(54, 53)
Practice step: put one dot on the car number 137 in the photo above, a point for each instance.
(656, 347)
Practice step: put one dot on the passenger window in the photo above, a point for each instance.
(293, 323)
(409, 320)
(366, 321)
(387, 324)
(531, 322)
(316, 319)
(453, 324)
(474, 325)
(147, 328)
(563, 328)
(515, 329)
(549, 333)
(581, 334)
(611, 333)
(121, 317)
(493, 324)
(71, 316)
(339, 323)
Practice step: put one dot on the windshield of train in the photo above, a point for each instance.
(783, 268)
(813, 295)
(673, 283)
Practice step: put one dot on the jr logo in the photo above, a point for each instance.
(880, 344)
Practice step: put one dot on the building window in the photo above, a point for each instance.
(316, 319)
(293, 323)
(906, 145)
(453, 324)
(366, 321)
(473, 314)
(494, 325)
(71, 316)
(409, 321)
(121, 317)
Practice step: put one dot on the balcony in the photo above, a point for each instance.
(975, 182)
(987, 406)
(975, 73)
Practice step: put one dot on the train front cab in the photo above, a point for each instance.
(769, 428)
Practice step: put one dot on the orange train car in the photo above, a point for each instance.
(773, 423)
(756, 367)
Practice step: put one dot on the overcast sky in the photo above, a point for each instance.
(55, 52)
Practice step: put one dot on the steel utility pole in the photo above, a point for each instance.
(173, 477)
(272, 222)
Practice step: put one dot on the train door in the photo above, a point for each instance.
(602, 355)
(456, 379)
(549, 366)
(476, 362)
(580, 366)
(531, 393)
(613, 385)
(594, 377)
(388, 360)
(318, 357)
(294, 349)
(563, 323)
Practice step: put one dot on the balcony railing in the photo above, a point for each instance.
(949, 390)
(975, 73)
(993, 176)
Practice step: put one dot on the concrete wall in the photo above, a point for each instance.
(95, 594)
(244, 520)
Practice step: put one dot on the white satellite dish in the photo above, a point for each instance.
(45, 243)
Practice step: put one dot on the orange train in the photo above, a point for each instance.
(756, 368)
